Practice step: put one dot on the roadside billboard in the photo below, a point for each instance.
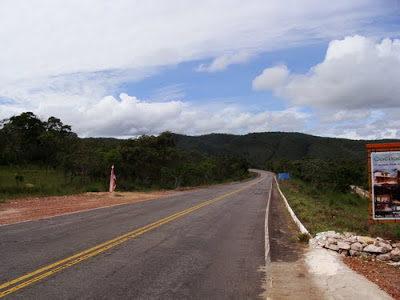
(384, 182)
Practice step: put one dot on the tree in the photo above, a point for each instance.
(55, 141)
(22, 134)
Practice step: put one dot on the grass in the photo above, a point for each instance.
(300, 238)
(341, 212)
(33, 181)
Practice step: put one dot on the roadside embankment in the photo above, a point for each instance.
(330, 270)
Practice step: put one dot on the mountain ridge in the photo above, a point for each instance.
(259, 148)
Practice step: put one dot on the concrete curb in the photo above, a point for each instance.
(268, 279)
(267, 247)
(302, 228)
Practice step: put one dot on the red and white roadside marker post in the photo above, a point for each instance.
(113, 180)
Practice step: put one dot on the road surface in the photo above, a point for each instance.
(202, 244)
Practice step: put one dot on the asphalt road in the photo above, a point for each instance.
(202, 244)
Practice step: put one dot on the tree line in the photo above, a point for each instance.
(324, 174)
(144, 162)
(324, 163)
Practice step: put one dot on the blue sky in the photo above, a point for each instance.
(126, 68)
(233, 84)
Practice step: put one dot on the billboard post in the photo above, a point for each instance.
(384, 182)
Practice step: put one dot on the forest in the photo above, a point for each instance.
(330, 164)
(146, 162)
(169, 160)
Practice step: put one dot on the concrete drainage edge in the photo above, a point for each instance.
(267, 246)
(296, 220)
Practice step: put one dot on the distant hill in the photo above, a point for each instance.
(259, 148)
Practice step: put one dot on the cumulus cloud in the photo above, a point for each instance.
(71, 59)
(378, 125)
(356, 72)
(127, 116)
(222, 62)
(354, 91)
(271, 78)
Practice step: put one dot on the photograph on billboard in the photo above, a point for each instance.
(385, 183)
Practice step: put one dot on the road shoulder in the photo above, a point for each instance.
(289, 276)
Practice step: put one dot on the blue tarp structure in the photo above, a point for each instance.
(283, 176)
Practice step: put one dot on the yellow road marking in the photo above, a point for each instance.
(74, 259)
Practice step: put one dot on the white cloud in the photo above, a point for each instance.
(48, 38)
(327, 117)
(167, 93)
(354, 91)
(359, 124)
(131, 116)
(127, 116)
(356, 73)
(222, 62)
(66, 58)
(271, 78)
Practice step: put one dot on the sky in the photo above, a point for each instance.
(127, 68)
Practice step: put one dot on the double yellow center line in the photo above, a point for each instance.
(28, 279)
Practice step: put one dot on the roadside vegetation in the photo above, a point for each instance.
(47, 158)
(319, 193)
(19, 182)
(341, 211)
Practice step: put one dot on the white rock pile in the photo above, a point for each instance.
(350, 244)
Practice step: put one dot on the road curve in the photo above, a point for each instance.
(203, 244)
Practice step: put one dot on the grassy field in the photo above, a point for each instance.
(323, 211)
(33, 181)
(18, 182)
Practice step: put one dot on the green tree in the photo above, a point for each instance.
(22, 135)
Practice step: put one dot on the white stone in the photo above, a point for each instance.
(324, 233)
(356, 246)
(395, 254)
(349, 234)
(332, 241)
(387, 246)
(384, 257)
(351, 240)
(343, 246)
(334, 235)
(374, 249)
(365, 240)
(332, 247)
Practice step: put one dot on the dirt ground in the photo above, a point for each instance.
(387, 277)
(26, 209)
(289, 277)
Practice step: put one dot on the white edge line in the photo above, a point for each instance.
(302, 228)
(267, 247)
